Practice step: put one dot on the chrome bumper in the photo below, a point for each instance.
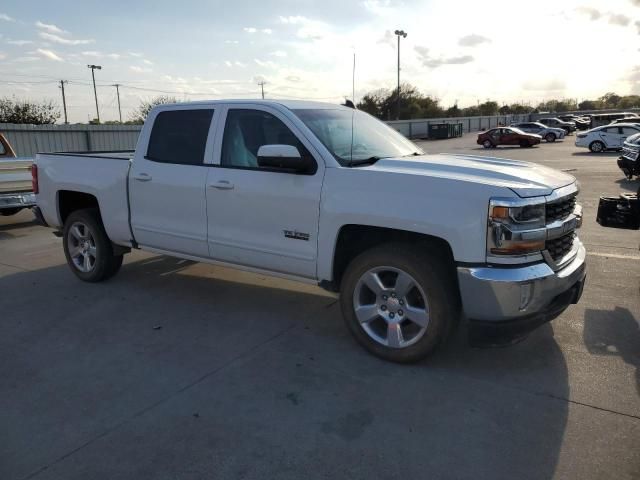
(17, 200)
(499, 294)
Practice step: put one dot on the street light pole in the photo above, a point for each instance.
(117, 85)
(95, 93)
(403, 34)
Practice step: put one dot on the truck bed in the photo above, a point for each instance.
(15, 175)
(101, 174)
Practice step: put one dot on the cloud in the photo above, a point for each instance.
(268, 31)
(50, 27)
(473, 40)
(137, 69)
(148, 62)
(3, 56)
(250, 29)
(28, 58)
(19, 42)
(278, 53)
(293, 78)
(49, 54)
(638, 26)
(432, 62)
(64, 41)
(267, 64)
(592, 13)
(231, 42)
(293, 20)
(6, 18)
(114, 56)
(636, 2)
(91, 53)
(387, 39)
(552, 85)
(134, 54)
(235, 63)
(619, 19)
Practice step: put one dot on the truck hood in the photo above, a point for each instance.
(524, 178)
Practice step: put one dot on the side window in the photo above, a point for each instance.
(247, 130)
(2, 149)
(180, 136)
(628, 131)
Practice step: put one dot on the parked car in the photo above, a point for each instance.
(629, 161)
(294, 189)
(507, 136)
(581, 122)
(550, 134)
(628, 120)
(608, 137)
(15, 180)
(557, 123)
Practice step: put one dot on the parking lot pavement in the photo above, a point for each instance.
(174, 370)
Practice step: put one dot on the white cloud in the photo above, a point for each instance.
(231, 42)
(114, 56)
(64, 41)
(91, 53)
(19, 42)
(49, 54)
(267, 64)
(3, 56)
(250, 29)
(6, 18)
(293, 20)
(50, 27)
(228, 63)
(552, 85)
(619, 19)
(268, 31)
(28, 58)
(293, 78)
(434, 62)
(135, 54)
(278, 53)
(148, 62)
(473, 40)
(592, 13)
(137, 69)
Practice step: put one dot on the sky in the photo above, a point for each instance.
(456, 51)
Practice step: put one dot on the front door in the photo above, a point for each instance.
(257, 217)
(167, 182)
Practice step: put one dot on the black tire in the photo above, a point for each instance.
(488, 144)
(524, 144)
(433, 275)
(597, 146)
(7, 212)
(550, 137)
(105, 264)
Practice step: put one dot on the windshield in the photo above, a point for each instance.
(517, 130)
(353, 136)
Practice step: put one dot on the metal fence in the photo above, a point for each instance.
(418, 128)
(27, 140)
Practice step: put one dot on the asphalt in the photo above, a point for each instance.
(175, 370)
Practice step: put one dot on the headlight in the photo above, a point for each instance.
(516, 228)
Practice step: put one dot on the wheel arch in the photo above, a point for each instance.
(69, 201)
(353, 239)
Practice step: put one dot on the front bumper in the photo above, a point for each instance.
(17, 200)
(519, 299)
(628, 167)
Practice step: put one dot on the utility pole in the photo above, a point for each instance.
(403, 34)
(64, 101)
(261, 83)
(117, 85)
(95, 93)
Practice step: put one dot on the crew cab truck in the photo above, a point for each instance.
(329, 195)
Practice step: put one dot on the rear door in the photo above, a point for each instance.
(259, 217)
(612, 137)
(509, 137)
(626, 133)
(167, 182)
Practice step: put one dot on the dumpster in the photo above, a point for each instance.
(455, 130)
(438, 131)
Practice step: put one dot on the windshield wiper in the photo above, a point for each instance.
(365, 161)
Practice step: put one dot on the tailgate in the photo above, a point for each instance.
(15, 175)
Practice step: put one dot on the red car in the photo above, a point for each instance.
(507, 136)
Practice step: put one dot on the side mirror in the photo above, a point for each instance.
(285, 157)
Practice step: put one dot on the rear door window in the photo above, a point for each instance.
(180, 136)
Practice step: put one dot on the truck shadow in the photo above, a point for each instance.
(614, 333)
(82, 359)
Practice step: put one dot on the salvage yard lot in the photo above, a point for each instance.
(175, 370)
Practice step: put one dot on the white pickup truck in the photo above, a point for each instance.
(329, 195)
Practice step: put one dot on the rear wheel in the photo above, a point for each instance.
(399, 302)
(87, 247)
(596, 147)
(487, 144)
(550, 137)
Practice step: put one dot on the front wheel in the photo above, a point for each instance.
(487, 144)
(399, 302)
(87, 247)
(596, 147)
(550, 137)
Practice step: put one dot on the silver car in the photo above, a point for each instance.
(550, 134)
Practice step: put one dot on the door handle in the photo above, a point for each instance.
(142, 177)
(222, 185)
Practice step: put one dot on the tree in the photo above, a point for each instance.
(383, 103)
(25, 111)
(140, 114)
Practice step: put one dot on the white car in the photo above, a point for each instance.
(607, 137)
(550, 134)
(329, 195)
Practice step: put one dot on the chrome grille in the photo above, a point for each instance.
(559, 247)
(560, 209)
